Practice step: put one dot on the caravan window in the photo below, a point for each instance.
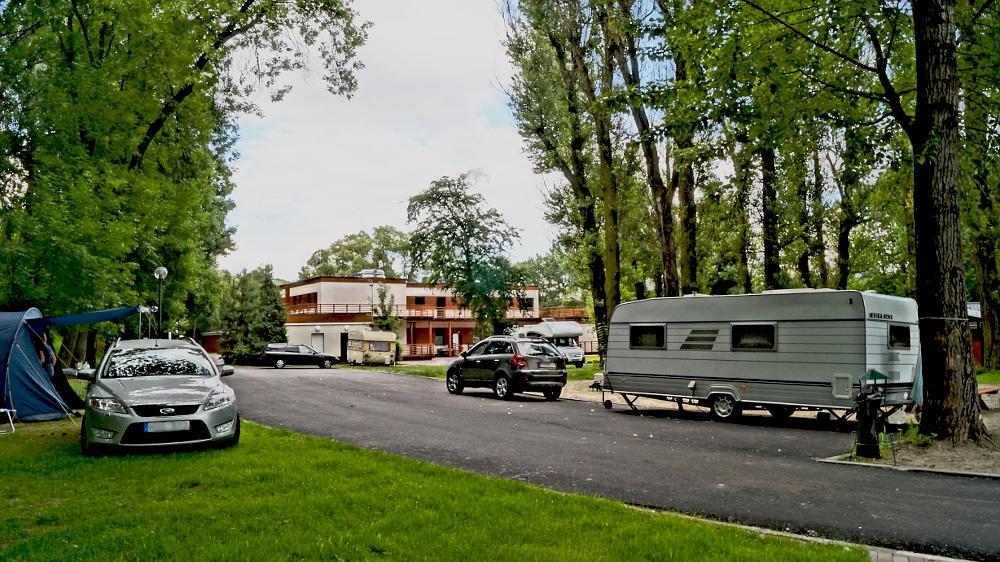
(378, 345)
(899, 337)
(753, 337)
(650, 336)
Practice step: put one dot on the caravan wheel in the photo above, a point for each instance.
(725, 407)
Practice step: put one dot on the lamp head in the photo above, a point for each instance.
(160, 273)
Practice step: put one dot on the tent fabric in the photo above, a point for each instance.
(26, 386)
(83, 317)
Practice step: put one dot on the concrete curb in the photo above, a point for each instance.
(839, 460)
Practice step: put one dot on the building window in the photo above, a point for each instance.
(418, 300)
(441, 302)
(650, 336)
(528, 302)
(899, 337)
(753, 337)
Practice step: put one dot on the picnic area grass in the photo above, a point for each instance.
(438, 371)
(279, 495)
(988, 377)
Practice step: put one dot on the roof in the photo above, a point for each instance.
(158, 343)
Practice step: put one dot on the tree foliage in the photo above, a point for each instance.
(252, 314)
(463, 244)
(386, 248)
(117, 122)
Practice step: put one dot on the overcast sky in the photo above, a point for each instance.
(429, 104)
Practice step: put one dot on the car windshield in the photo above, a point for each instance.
(130, 363)
(537, 348)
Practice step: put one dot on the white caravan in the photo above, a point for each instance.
(371, 347)
(564, 335)
(780, 350)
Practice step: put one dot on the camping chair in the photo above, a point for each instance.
(10, 420)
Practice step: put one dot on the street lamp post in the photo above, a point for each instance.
(160, 273)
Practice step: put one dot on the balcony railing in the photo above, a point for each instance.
(564, 312)
(403, 311)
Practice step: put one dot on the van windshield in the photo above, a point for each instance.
(565, 342)
(537, 348)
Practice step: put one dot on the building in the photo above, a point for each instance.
(322, 310)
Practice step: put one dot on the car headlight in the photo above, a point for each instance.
(108, 405)
(218, 400)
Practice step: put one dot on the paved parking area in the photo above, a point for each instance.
(755, 472)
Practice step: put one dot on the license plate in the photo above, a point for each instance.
(160, 427)
(547, 365)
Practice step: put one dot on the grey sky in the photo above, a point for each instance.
(429, 104)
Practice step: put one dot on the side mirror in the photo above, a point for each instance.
(465, 354)
(86, 374)
(226, 371)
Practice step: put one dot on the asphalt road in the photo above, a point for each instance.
(753, 472)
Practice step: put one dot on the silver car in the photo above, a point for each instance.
(148, 393)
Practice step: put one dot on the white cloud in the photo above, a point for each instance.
(429, 104)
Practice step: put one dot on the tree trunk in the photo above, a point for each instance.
(951, 406)
(769, 219)
(627, 59)
(818, 213)
(804, 201)
(844, 249)
(741, 177)
(683, 182)
(989, 288)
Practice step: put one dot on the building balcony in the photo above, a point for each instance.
(403, 311)
(578, 313)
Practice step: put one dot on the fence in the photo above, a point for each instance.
(403, 311)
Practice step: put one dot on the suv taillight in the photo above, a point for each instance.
(519, 361)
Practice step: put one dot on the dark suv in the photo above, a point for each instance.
(281, 354)
(509, 364)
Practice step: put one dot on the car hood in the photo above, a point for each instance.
(161, 390)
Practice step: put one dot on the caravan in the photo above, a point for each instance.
(371, 347)
(780, 350)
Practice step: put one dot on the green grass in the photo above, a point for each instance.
(438, 371)
(988, 377)
(285, 496)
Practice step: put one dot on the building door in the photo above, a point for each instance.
(343, 347)
(316, 342)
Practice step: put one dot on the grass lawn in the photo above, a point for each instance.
(438, 371)
(283, 496)
(988, 377)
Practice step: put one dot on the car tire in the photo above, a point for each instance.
(235, 439)
(725, 407)
(326, 364)
(279, 364)
(453, 382)
(579, 365)
(552, 395)
(502, 387)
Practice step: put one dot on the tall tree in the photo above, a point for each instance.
(253, 314)
(463, 245)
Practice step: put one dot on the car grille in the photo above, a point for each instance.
(153, 410)
(135, 436)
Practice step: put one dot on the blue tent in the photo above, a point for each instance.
(26, 386)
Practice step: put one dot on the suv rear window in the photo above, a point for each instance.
(173, 361)
(537, 348)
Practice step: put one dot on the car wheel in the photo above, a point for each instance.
(725, 407)
(279, 364)
(781, 413)
(502, 387)
(552, 394)
(326, 364)
(454, 382)
(579, 365)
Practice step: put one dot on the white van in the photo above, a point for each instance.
(564, 335)
(370, 347)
